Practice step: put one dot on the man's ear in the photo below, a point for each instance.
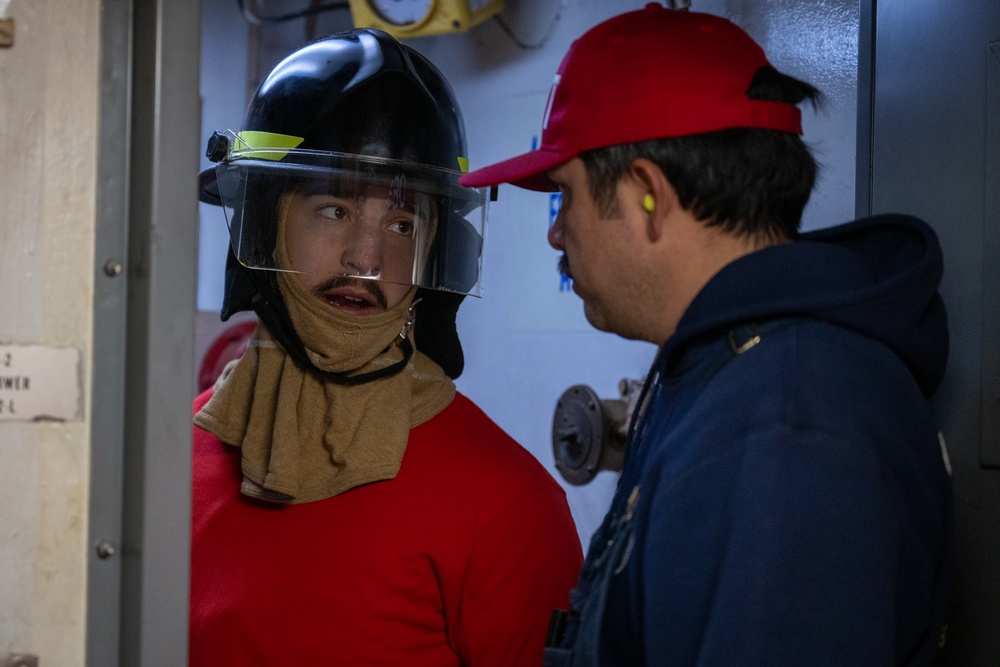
(653, 194)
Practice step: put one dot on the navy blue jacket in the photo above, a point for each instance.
(785, 498)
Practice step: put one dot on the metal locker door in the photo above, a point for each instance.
(929, 144)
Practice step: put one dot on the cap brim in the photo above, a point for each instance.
(525, 171)
(208, 187)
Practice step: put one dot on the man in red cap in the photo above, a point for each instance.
(785, 498)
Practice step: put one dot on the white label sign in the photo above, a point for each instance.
(39, 382)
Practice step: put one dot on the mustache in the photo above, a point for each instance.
(370, 286)
(563, 266)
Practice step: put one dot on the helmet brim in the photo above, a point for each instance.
(208, 187)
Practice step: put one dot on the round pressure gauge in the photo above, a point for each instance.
(402, 12)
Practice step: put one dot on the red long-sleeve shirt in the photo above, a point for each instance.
(458, 560)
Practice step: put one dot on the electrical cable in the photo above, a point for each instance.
(253, 16)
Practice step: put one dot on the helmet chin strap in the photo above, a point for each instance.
(273, 312)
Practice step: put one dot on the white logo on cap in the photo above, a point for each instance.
(548, 104)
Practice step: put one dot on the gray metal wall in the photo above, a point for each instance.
(929, 144)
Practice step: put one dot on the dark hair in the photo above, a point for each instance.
(748, 181)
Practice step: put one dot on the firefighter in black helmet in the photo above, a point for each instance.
(365, 108)
(350, 507)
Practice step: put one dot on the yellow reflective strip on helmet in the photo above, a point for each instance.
(463, 164)
(265, 145)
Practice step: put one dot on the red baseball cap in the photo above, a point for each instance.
(646, 74)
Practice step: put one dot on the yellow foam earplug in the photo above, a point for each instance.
(648, 203)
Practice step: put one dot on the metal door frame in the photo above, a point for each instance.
(866, 108)
(144, 305)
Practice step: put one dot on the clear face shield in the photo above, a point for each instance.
(328, 216)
